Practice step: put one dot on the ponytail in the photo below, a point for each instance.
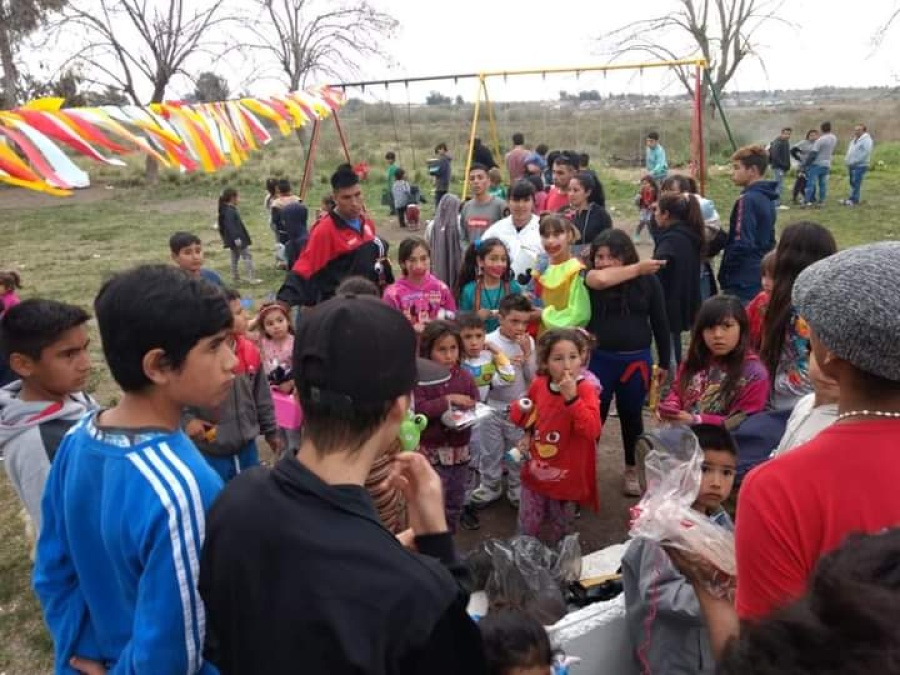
(685, 208)
(468, 271)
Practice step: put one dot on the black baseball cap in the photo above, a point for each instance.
(356, 350)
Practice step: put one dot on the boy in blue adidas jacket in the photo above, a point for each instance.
(125, 502)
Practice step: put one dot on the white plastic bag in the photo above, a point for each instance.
(673, 467)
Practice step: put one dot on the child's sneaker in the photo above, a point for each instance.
(632, 485)
(513, 496)
(469, 518)
(484, 495)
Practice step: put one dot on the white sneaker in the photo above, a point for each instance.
(484, 495)
(782, 207)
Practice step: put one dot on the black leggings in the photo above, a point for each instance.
(401, 216)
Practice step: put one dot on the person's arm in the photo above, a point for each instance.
(673, 399)
(585, 412)
(265, 409)
(659, 324)
(454, 645)
(529, 366)
(56, 579)
(432, 408)
(811, 154)
(447, 301)
(613, 276)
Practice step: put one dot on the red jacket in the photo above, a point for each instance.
(333, 252)
(562, 463)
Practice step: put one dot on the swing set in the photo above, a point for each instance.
(698, 154)
(483, 99)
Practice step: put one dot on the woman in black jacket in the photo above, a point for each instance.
(589, 204)
(681, 245)
(625, 318)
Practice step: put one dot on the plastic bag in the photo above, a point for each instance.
(673, 468)
(527, 574)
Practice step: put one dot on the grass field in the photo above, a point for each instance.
(63, 249)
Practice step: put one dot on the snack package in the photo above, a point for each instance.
(673, 472)
(460, 418)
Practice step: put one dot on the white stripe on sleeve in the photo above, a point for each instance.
(175, 513)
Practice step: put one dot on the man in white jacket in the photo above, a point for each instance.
(857, 160)
(520, 231)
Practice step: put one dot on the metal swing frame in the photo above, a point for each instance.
(482, 97)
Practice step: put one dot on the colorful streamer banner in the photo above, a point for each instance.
(38, 139)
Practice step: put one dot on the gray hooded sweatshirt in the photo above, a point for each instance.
(667, 630)
(30, 433)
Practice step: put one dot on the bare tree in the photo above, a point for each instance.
(141, 45)
(309, 38)
(883, 29)
(18, 18)
(721, 31)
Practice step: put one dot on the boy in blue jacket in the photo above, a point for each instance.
(752, 224)
(125, 502)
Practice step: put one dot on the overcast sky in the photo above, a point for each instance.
(811, 47)
(820, 47)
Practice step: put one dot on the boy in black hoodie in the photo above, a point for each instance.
(297, 573)
(752, 224)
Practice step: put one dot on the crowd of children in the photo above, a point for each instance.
(529, 367)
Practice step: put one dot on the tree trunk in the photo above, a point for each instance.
(151, 166)
(10, 73)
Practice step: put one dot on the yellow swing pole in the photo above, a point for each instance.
(492, 124)
(472, 132)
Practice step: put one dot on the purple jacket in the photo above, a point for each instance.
(431, 401)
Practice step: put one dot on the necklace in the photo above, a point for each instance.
(868, 413)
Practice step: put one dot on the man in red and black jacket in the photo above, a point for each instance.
(340, 245)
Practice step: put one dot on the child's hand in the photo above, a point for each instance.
(196, 429)
(568, 387)
(524, 342)
(286, 387)
(414, 476)
(524, 444)
(484, 314)
(87, 666)
(275, 443)
(461, 400)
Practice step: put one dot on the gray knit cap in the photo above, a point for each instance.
(852, 302)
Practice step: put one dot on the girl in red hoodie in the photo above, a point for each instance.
(561, 418)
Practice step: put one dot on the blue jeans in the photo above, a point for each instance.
(230, 466)
(856, 178)
(817, 176)
(779, 183)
